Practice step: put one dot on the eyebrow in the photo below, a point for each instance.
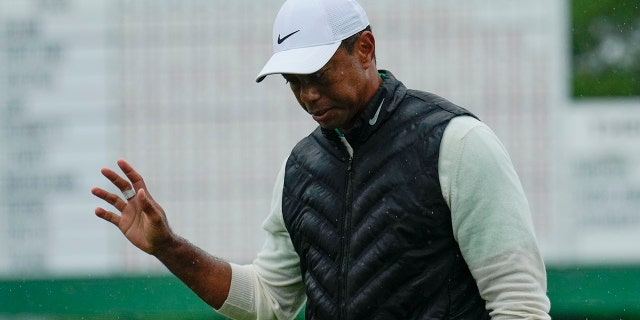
(321, 70)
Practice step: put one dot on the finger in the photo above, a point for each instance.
(120, 182)
(110, 198)
(108, 216)
(133, 175)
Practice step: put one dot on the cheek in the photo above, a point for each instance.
(296, 94)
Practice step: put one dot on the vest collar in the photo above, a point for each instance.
(379, 109)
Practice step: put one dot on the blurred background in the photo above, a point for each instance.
(169, 86)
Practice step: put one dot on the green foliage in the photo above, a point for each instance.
(605, 39)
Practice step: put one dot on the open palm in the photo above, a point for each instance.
(141, 219)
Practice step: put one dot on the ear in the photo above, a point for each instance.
(365, 48)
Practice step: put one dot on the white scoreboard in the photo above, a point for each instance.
(169, 85)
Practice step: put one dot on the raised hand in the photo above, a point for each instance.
(141, 219)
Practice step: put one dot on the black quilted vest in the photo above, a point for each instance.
(373, 232)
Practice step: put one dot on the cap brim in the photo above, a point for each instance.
(298, 61)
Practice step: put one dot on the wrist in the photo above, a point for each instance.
(168, 247)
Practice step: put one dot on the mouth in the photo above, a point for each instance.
(320, 115)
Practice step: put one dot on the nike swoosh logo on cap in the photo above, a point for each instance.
(373, 120)
(281, 40)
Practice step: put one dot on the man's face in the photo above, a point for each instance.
(335, 94)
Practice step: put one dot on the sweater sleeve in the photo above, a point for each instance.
(492, 221)
(271, 287)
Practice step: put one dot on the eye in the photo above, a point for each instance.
(318, 74)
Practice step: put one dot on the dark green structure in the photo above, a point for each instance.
(575, 292)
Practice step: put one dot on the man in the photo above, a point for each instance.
(400, 205)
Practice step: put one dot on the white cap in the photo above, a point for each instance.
(306, 34)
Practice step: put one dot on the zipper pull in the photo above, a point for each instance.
(345, 143)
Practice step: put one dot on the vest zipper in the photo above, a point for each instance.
(346, 230)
